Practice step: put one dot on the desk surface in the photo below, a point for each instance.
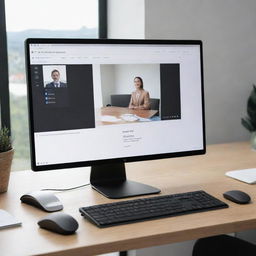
(170, 175)
(117, 112)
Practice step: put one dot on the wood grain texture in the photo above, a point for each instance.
(170, 175)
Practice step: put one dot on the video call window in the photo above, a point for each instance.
(129, 93)
(139, 93)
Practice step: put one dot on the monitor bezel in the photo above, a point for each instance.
(113, 42)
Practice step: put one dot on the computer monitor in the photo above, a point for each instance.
(158, 111)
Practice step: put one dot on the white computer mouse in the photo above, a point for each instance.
(43, 200)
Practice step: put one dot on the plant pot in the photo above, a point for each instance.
(5, 169)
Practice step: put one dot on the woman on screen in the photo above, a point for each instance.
(140, 97)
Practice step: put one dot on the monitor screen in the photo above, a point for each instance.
(97, 101)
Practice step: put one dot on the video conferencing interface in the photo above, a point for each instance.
(101, 101)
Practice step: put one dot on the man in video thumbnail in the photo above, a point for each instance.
(56, 83)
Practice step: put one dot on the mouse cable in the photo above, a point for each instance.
(65, 189)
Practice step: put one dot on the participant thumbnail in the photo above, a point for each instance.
(54, 76)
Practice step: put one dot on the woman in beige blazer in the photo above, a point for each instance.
(140, 97)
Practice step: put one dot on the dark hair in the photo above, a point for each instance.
(141, 81)
(55, 70)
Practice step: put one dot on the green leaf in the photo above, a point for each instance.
(247, 124)
(250, 122)
(254, 88)
(5, 140)
(252, 97)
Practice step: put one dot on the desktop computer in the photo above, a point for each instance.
(73, 122)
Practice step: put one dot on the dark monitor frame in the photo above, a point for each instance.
(116, 162)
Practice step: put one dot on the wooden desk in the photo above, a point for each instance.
(170, 175)
(117, 112)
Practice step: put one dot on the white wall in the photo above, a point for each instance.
(126, 19)
(227, 29)
(107, 74)
(150, 73)
(97, 86)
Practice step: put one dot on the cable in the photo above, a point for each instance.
(65, 189)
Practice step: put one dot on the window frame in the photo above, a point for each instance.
(4, 74)
(5, 116)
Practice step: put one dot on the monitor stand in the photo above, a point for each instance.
(110, 180)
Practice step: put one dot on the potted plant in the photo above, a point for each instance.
(249, 122)
(6, 156)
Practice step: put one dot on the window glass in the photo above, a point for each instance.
(44, 19)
